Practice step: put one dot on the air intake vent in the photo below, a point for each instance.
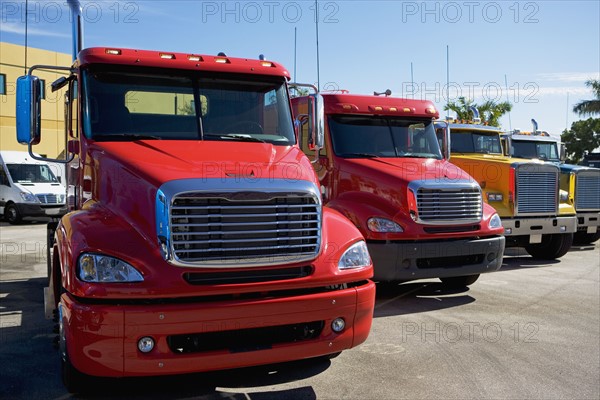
(537, 190)
(587, 190)
(241, 228)
(448, 203)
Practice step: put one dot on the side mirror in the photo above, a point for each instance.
(73, 146)
(442, 132)
(28, 111)
(563, 152)
(316, 122)
(505, 146)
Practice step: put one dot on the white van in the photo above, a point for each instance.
(29, 188)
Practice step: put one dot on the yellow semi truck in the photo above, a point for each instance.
(535, 213)
(581, 183)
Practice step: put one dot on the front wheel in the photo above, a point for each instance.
(552, 246)
(582, 238)
(12, 215)
(460, 281)
(73, 380)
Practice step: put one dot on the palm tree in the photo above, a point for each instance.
(589, 107)
(490, 111)
(462, 108)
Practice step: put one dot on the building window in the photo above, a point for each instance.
(2, 83)
(43, 89)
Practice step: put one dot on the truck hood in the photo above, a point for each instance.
(382, 182)
(163, 161)
(41, 188)
(404, 170)
(121, 171)
(568, 168)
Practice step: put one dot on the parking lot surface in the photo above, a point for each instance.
(528, 331)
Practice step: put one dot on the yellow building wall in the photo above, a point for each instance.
(12, 60)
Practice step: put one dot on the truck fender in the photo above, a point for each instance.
(358, 207)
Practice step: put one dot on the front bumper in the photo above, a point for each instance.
(588, 222)
(539, 226)
(102, 339)
(402, 261)
(39, 210)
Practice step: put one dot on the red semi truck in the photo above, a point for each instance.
(198, 240)
(382, 167)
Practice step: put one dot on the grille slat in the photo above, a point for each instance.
(461, 205)
(587, 191)
(297, 246)
(537, 190)
(277, 214)
(222, 241)
(244, 227)
(50, 198)
(208, 233)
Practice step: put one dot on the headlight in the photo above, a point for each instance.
(356, 256)
(563, 196)
(495, 197)
(29, 197)
(105, 269)
(383, 225)
(495, 222)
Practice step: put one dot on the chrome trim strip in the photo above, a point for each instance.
(470, 211)
(242, 190)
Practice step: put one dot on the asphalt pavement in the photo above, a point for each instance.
(529, 331)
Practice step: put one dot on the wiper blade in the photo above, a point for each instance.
(366, 155)
(416, 156)
(124, 136)
(238, 137)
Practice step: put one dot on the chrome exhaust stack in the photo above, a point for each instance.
(77, 27)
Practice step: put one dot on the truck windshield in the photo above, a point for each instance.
(366, 136)
(465, 141)
(31, 173)
(531, 149)
(124, 104)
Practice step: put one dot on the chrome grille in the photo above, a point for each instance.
(50, 198)
(452, 204)
(537, 189)
(587, 191)
(243, 227)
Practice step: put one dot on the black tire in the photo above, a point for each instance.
(459, 281)
(583, 238)
(333, 355)
(12, 215)
(74, 380)
(552, 246)
(50, 229)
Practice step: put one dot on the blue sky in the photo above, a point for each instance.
(545, 49)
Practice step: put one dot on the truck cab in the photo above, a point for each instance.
(381, 167)
(524, 192)
(581, 183)
(197, 239)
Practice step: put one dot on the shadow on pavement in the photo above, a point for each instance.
(416, 297)
(208, 385)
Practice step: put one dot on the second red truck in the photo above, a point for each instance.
(382, 167)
